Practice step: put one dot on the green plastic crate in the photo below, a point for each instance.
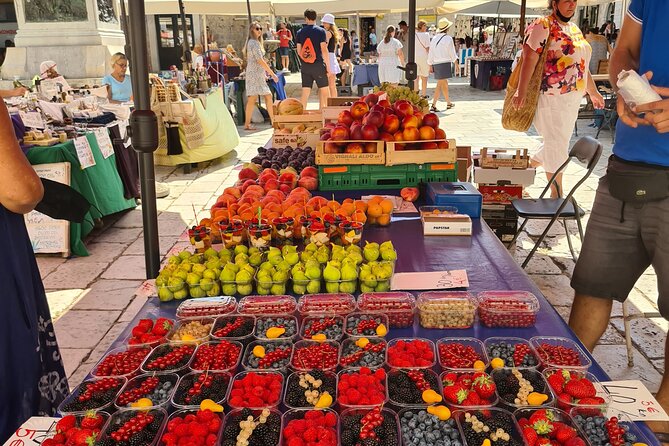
(383, 177)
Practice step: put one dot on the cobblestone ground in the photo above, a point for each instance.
(93, 298)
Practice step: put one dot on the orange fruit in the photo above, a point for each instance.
(246, 215)
(383, 220)
(361, 206)
(374, 210)
(334, 205)
(347, 208)
(347, 200)
(387, 206)
(359, 216)
(375, 199)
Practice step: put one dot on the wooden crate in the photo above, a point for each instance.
(340, 101)
(331, 159)
(307, 116)
(394, 157)
(514, 158)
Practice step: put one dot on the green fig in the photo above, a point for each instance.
(370, 281)
(198, 268)
(280, 276)
(245, 290)
(255, 259)
(210, 274)
(332, 287)
(366, 289)
(165, 295)
(306, 255)
(248, 268)
(331, 273)
(215, 290)
(299, 268)
(311, 247)
(196, 258)
(241, 259)
(299, 289)
(227, 275)
(196, 292)
(371, 254)
(206, 284)
(349, 272)
(161, 280)
(383, 286)
(186, 266)
(275, 260)
(241, 249)
(229, 290)
(278, 289)
(283, 266)
(263, 291)
(181, 274)
(211, 253)
(193, 279)
(386, 245)
(314, 272)
(232, 267)
(348, 287)
(314, 287)
(322, 257)
(181, 294)
(174, 260)
(243, 277)
(176, 283)
(389, 254)
(299, 276)
(253, 250)
(224, 253)
(292, 258)
(372, 245)
(184, 255)
(288, 249)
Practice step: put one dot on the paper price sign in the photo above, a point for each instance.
(104, 142)
(32, 120)
(634, 400)
(435, 280)
(33, 432)
(84, 152)
(147, 289)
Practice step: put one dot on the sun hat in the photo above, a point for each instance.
(444, 23)
(329, 19)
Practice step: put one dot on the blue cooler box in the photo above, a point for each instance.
(463, 196)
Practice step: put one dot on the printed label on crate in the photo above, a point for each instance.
(33, 432)
(433, 280)
(297, 140)
(633, 399)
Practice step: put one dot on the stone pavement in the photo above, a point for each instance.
(93, 298)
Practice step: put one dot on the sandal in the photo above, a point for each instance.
(434, 109)
(450, 106)
(250, 128)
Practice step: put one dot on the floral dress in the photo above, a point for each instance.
(256, 78)
(32, 378)
(568, 55)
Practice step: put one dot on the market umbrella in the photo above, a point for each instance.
(499, 8)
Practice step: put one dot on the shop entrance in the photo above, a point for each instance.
(170, 31)
(366, 25)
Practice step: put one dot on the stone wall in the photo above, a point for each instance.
(231, 29)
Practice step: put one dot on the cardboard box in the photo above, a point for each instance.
(447, 225)
(500, 193)
(515, 158)
(330, 159)
(395, 157)
(498, 211)
(523, 177)
(465, 162)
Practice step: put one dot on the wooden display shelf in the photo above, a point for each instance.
(395, 157)
(492, 158)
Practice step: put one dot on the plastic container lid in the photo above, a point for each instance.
(507, 308)
(138, 380)
(119, 418)
(497, 375)
(473, 346)
(207, 306)
(295, 376)
(387, 302)
(65, 409)
(578, 374)
(186, 383)
(267, 305)
(195, 366)
(338, 303)
(537, 343)
(446, 309)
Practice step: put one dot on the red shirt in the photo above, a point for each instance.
(284, 36)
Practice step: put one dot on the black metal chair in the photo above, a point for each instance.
(587, 150)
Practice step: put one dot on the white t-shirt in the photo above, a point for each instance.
(442, 50)
(422, 45)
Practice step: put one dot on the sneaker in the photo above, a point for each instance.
(162, 190)
(286, 70)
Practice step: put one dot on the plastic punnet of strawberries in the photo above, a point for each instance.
(548, 427)
(149, 332)
(199, 427)
(78, 430)
(573, 388)
(468, 389)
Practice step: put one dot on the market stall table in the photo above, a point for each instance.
(488, 264)
(365, 75)
(483, 69)
(100, 184)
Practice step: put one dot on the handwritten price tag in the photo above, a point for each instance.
(32, 120)
(84, 152)
(434, 280)
(104, 142)
(633, 399)
(33, 432)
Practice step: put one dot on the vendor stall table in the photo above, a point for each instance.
(100, 184)
(481, 71)
(488, 264)
(365, 75)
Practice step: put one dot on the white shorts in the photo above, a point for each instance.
(334, 65)
(554, 120)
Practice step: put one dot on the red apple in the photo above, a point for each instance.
(370, 147)
(309, 171)
(426, 133)
(309, 183)
(410, 121)
(385, 136)
(410, 193)
(429, 145)
(371, 99)
(340, 133)
(359, 109)
(370, 132)
(385, 103)
(391, 123)
(411, 134)
(374, 118)
(403, 109)
(431, 119)
(345, 118)
(439, 134)
(354, 147)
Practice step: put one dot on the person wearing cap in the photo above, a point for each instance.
(49, 70)
(440, 58)
(312, 48)
(332, 37)
(390, 57)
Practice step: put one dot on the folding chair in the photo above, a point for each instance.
(587, 150)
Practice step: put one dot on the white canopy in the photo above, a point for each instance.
(214, 7)
(499, 8)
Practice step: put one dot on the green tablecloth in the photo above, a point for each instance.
(100, 184)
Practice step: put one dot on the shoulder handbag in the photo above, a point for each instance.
(520, 119)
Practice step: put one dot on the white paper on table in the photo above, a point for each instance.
(633, 399)
(32, 119)
(433, 280)
(84, 152)
(104, 142)
(33, 432)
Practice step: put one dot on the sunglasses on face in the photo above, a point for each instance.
(258, 29)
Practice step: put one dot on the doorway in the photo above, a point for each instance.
(367, 24)
(170, 31)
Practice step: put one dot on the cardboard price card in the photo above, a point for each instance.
(104, 142)
(633, 399)
(434, 280)
(84, 152)
(33, 432)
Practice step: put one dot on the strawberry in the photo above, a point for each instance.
(531, 436)
(564, 399)
(449, 379)
(66, 423)
(145, 324)
(472, 399)
(455, 394)
(543, 427)
(137, 332)
(580, 388)
(541, 415)
(162, 326)
(92, 421)
(565, 433)
(543, 441)
(484, 386)
(85, 437)
(556, 381)
(465, 380)
(49, 442)
(576, 441)
(59, 438)
(592, 401)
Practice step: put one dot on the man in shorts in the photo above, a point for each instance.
(285, 37)
(626, 233)
(311, 46)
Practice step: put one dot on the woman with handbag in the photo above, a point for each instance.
(422, 49)
(441, 57)
(556, 56)
(257, 70)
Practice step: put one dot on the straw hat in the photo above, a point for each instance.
(444, 24)
(328, 18)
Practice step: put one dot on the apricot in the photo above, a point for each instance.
(383, 220)
(374, 210)
(387, 206)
